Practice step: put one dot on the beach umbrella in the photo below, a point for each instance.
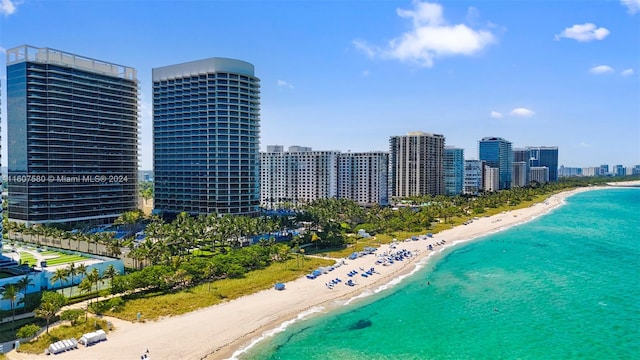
(316, 273)
(279, 286)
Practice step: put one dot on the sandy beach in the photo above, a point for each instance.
(222, 331)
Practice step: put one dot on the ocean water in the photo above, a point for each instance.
(563, 286)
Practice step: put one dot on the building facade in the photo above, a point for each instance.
(301, 175)
(519, 174)
(206, 138)
(416, 163)
(565, 171)
(546, 156)
(73, 137)
(491, 179)
(540, 174)
(472, 176)
(497, 153)
(364, 177)
(522, 155)
(453, 166)
(297, 176)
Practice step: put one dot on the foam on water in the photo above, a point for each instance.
(537, 291)
(282, 327)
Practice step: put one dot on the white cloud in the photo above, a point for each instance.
(584, 144)
(601, 69)
(627, 72)
(362, 45)
(8, 7)
(472, 15)
(365, 73)
(430, 37)
(633, 6)
(496, 115)
(522, 112)
(283, 83)
(583, 33)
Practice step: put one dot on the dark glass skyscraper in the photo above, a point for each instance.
(545, 156)
(497, 153)
(206, 137)
(73, 137)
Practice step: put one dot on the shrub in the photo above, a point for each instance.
(235, 271)
(116, 304)
(71, 315)
(27, 331)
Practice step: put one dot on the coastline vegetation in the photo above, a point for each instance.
(61, 332)
(195, 262)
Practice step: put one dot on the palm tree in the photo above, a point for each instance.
(72, 271)
(109, 273)
(59, 275)
(94, 278)
(86, 286)
(50, 304)
(23, 284)
(81, 270)
(10, 292)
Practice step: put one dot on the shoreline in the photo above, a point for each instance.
(226, 330)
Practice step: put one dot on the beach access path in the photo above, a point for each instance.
(217, 332)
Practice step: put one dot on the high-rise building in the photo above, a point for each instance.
(206, 137)
(524, 156)
(491, 181)
(619, 170)
(545, 156)
(564, 171)
(603, 170)
(301, 175)
(416, 163)
(519, 174)
(497, 153)
(472, 176)
(297, 176)
(540, 174)
(453, 166)
(73, 137)
(363, 177)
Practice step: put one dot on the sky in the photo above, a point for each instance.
(348, 75)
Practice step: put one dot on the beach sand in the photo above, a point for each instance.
(219, 331)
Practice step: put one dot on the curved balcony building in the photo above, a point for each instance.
(206, 138)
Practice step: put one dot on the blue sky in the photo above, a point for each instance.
(347, 75)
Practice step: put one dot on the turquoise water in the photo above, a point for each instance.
(563, 286)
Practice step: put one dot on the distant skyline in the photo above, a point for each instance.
(348, 75)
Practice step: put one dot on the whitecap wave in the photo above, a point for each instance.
(277, 330)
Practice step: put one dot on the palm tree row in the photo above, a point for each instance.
(61, 275)
(165, 242)
(12, 291)
(56, 237)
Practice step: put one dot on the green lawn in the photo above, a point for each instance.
(61, 258)
(156, 305)
(65, 259)
(26, 257)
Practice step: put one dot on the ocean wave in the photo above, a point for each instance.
(277, 330)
